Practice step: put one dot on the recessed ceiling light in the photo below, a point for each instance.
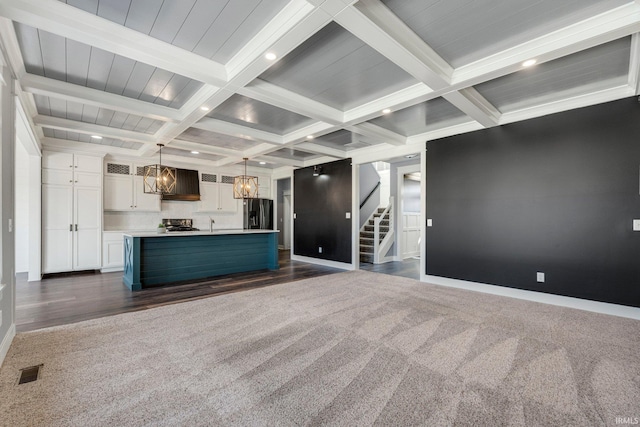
(270, 56)
(195, 152)
(386, 111)
(263, 163)
(96, 137)
(309, 136)
(203, 108)
(529, 62)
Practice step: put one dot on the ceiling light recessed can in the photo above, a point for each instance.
(270, 56)
(96, 137)
(263, 163)
(529, 62)
(203, 108)
(386, 111)
(195, 152)
(309, 136)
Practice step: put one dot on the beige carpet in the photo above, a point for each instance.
(350, 349)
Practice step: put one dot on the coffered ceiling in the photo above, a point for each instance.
(194, 74)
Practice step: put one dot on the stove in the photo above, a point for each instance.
(179, 225)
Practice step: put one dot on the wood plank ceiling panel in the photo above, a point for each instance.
(216, 139)
(421, 117)
(249, 112)
(597, 68)
(78, 63)
(463, 31)
(336, 68)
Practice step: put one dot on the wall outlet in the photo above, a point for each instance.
(319, 249)
(540, 277)
(636, 225)
(429, 223)
(294, 215)
(348, 215)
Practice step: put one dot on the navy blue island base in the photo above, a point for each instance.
(152, 259)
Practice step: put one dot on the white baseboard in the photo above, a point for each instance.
(6, 342)
(571, 302)
(327, 263)
(111, 269)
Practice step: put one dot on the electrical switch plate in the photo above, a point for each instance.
(636, 225)
(348, 215)
(429, 223)
(294, 215)
(319, 249)
(540, 277)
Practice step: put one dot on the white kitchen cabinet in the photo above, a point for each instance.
(71, 212)
(123, 189)
(216, 194)
(264, 187)
(112, 251)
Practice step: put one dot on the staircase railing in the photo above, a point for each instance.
(382, 247)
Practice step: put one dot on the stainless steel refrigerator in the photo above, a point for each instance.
(258, 214)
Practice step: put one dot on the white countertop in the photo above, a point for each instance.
(197, 233)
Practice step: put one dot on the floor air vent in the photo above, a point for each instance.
(30, 374)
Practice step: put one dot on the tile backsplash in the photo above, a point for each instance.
(141, 221)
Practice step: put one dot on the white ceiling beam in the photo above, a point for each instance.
(84, 95)
(11, 46)
(202, 148)
(607, 26)
(280, 160)
(291, 101)
(584, 100)
(309, 147)
(474, 105)
(444, 131)
(93, 129)
(77, 146)
(634, 64)
(372, 22)
(398, 100)
(295, 22)
(378, 133)
(384, 152)
(208, 95)
(315, 130)
(75, 24)
(239, 131)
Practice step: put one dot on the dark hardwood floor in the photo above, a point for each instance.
(71, 298)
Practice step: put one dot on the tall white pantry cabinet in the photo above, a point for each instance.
(71, 212)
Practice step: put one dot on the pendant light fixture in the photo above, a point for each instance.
(159, 179)
(244, 186)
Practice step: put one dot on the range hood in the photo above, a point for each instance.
(187, 186)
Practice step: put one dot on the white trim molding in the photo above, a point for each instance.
(559, 300)
(326, 263)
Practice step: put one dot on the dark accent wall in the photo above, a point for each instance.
(556, 194)
(320, 204)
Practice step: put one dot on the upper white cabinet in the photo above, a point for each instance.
(71, 212)
(124, 191)
(216, 194)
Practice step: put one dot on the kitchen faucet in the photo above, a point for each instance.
(211, 222)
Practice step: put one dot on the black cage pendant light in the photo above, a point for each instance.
(159, 179)
(244, 186)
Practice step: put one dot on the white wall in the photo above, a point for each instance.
(22, 209)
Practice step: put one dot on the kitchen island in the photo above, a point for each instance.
(152, 259)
